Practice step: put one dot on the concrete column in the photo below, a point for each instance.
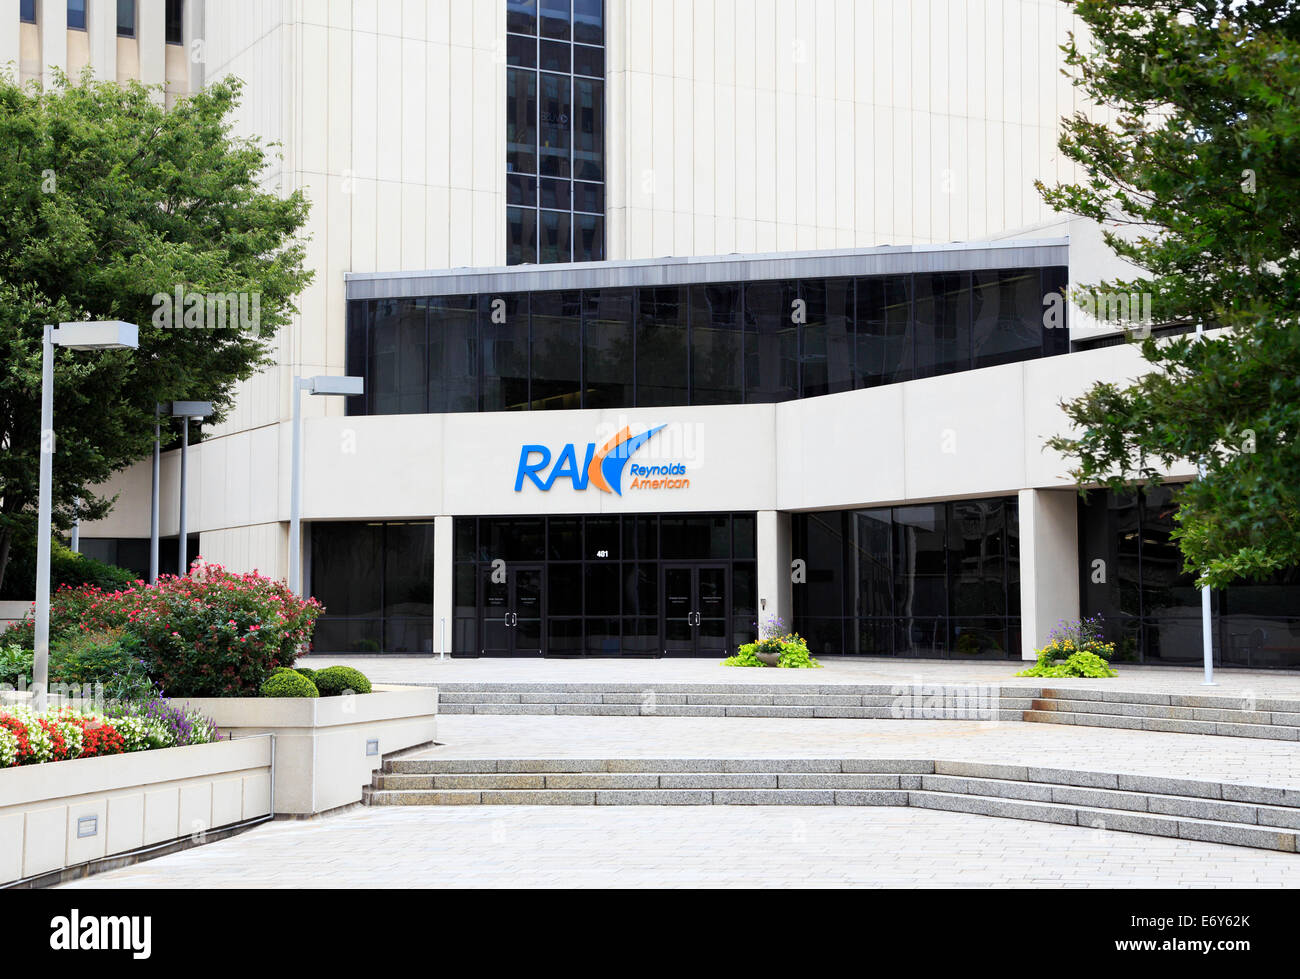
(774, 594)
(1049, 564)
(10, 30)
(101, 17)
(151, 37)
(444, 575)
(52, 19)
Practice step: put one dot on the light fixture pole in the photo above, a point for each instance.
(153, 496)
(186, 411)
(1207, 617)
(73, 336)
(318, 387)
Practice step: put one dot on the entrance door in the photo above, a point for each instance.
(696, 608)
(512, 611)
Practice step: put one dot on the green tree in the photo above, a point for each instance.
(1193, 170)
(107, 202)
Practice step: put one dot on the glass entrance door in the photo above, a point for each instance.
(696, 609)
(512, 610)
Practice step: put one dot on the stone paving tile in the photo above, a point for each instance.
(1153, 753)
(837, 670)
(715, 846)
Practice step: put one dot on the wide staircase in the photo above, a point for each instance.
(1241, 717)
(1207, 811)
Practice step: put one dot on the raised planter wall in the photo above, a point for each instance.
(327, 748)
(64, 814)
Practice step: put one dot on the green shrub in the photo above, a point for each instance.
(793, 649)
(15, 665)
(288, 684)
(310, 674)
(66, 568)
(212, 633)
(1078, 665)
(109, 658)
(334, 681)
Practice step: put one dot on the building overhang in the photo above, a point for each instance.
(838, 263)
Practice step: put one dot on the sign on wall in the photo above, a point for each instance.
(603, 468)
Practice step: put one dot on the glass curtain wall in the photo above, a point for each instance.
(555, 131)
(376, 583)
(1131, 574)
(602, 575)
(721, 343)
(939, 580)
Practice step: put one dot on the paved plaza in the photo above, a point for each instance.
(426, 670)
(758, 846)
(707, 846)
(1243, 760)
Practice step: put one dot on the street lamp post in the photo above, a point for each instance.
(153, 496)
(1207, 621)
(72, 336)
(318, 387)
(186, 411)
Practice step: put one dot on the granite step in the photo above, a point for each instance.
(1192, 810)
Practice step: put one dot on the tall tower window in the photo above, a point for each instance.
(175, 22)
(76, 15)
(126, 18)
(555, 131)
(27, 11)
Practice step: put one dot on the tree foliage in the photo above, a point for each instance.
(1193, 169)
(106, 201)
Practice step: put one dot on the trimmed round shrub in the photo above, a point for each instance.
(289, 684)
(334, 681)
(310, 674)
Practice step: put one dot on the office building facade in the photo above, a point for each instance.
(675, 316)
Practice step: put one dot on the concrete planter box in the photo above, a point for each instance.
(326, 748)
(67, 813)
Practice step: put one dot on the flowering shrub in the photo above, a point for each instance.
(212, 633)
(773, 638)
(1074, 648)
(63, 733)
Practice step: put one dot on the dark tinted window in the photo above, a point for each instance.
(826, 354)
(771, 342)
(503, 344)
(521, 236)
(125, 18)
(399, 345)
(453, 354)
(884, 334)
(1007, 321)
(555, 122)
(661, 350)
(175, 22)
(589, 21)
(607, 348)
(717, 345)
(77, 14)
(943, 310)
(521, 120)
(27, 11)
(521, 16)
(556, 350)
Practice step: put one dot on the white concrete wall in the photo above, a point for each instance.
(789, 125)
(137, 800)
